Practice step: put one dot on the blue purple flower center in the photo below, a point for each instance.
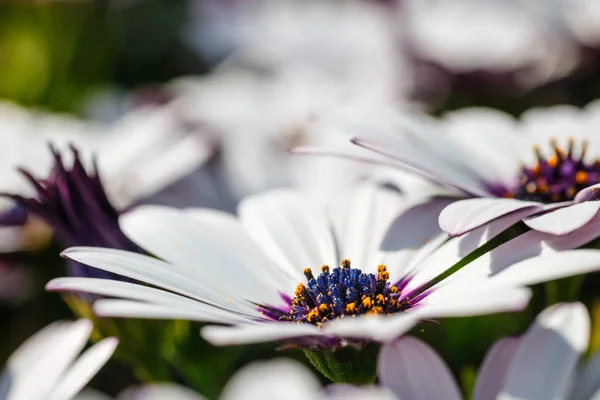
(341, 292)
(556, 178)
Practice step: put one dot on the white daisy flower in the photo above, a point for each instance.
(547, 162)
(48, 365)
(252, 279)
(540, 365)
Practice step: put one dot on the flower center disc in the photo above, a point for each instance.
(556, 178)
(339, 293)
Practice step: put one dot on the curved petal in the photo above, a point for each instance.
(413, 371)
(465, 215)
(564, 220)
(291, 230)
(547, 356)
(155, 272)
(588, 194)
(45, 357)
(494, 369)
(376, 328)
(469, 302)
(257, 333)
(278, 379)
(84, 369)
(131, 291)
(549, 267)
(211, 247)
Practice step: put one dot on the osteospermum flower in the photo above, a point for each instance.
(365, 272)
(541, 364)
(547, 164)
(48, 365)
(138, 156)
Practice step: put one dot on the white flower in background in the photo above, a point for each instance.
(514, 36)
(582, 17)
(256, 119)
(546, 164)
(255, 275)
(48, 365)
(146, 151)
(540, 365)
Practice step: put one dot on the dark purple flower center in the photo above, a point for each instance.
(554, 179)
(74, 203)
(342, 292)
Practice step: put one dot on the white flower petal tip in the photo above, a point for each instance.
(570, 321)
(293, 381)
(564, 220)
(591, 193)
(463, 216)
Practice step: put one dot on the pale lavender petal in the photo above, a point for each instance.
(465, 215)
(564, 220)
(413, 371)
(543, 364)
(494, 368)
(588, 194)
(588, 381)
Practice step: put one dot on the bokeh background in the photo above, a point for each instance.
(99, 59)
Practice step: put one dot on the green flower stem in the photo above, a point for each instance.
(508, 234)
(347, 364)
(563, 290)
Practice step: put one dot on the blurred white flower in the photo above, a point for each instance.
(48, 365)
(137, 157)
(513, 36)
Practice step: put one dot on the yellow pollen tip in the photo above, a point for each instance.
(381, 268)
(346, 263)
(553, 161)
(307, 270)
(581, 177)
(379, 298)
(312, 315)
(351, 308)
(393, 289)
(325, 268)
(384, 276)
(323, 307)
(300, 290)
(367, 302)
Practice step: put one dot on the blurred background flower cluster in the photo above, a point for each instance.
(196, 102)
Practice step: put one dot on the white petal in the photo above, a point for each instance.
(479, 301)
(84, 369)
(37, 366)
(159, 391)
(415, 372)
(211, 247)
(131, 291)
(361, 218)
(549, 267)
(494, 369)
(547, 356)
(424, 268)
(341, 391)
(465, 215)
(272, 380)
(257, 333)
(136, 309)
(564, 220)
(376, 328)
(290, 229)
(155, 272)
